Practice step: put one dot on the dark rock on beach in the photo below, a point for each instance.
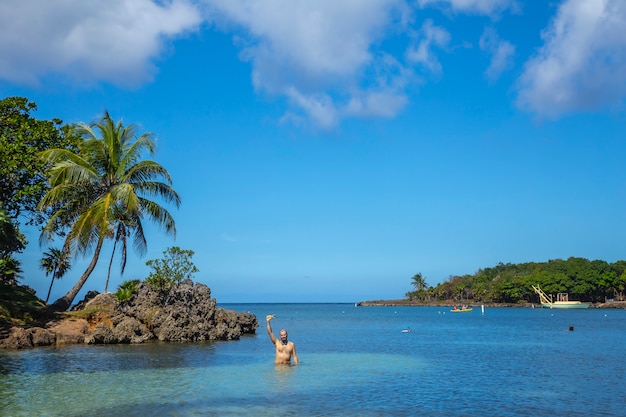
(187, 313)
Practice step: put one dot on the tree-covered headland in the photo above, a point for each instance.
(584, 280)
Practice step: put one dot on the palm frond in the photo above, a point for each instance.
(159, 215)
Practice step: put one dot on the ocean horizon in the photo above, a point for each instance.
(354, 361)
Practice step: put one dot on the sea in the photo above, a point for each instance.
(354, 361)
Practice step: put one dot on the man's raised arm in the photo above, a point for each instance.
(269, 328)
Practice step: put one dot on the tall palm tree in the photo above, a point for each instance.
(55, 262)
(419, 282)
(102, 184)
(122, 230)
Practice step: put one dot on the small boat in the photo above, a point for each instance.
(461, 310)
(562, 300)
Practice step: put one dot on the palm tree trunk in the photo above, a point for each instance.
(54, 272)
(106, 285)
(65, 302)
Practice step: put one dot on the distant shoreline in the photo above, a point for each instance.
(409, 303)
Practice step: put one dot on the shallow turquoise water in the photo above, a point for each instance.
(354, 362)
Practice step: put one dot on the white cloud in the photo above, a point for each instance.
(501, 53)
(329, 60)
(319, 107)
(430, 36)
(376, 103)
(319, 54)
(582, 65)
(95, 40)
(485, 7)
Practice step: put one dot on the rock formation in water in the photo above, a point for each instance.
(187, 313)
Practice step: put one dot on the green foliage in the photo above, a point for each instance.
(22, 138)
(20, 306)
(10, 270)
(55, 262)
(175, 267)
(127, 289)
(22, 183)
(105, 190)
(10, 239)
(512, 283)
(420, 287)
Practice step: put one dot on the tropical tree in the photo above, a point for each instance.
(122, 229)
(11, 241)
(419, 285)
(10, 270)
(102, 184)
(419, 282)
(175, 266)
(55, 262)
(620, 286)
(22, 138)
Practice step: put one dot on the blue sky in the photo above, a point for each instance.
(328, 151)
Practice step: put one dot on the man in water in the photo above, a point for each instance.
(285, 350)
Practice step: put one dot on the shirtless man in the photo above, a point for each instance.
(285, 350)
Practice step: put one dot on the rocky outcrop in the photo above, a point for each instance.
(20, 338)
(187, 313)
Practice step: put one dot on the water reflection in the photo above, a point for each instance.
(85, 359)
(283, 376)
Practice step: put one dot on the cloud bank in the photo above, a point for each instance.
(103, 40)
(485, 7)
(321, 55)
(582, 65)
(327, 60)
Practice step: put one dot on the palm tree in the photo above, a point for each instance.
(57, 263)
(102, 184)
(122, 230)
(419, 282)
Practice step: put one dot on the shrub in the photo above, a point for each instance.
(10, 270)
(175, 267)
(127, 289)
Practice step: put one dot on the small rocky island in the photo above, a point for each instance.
(186, 313)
